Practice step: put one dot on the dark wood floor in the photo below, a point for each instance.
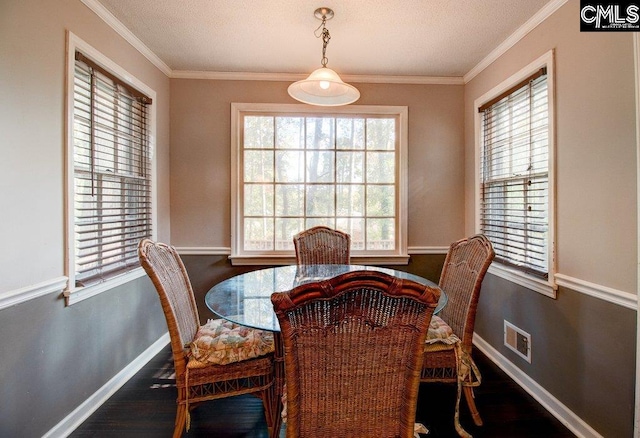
(145, 407)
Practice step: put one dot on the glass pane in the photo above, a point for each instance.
(258, 166)
(320, 166)
(285, 230)
(258, 132)
(317, 221)
(381, 167)
(258, 200)
(350, 200)
(320, 200)
(355, 228)
(289, 166)
(349, 133)
(258, 234)
(289, 133)
(381, 134)
(320, 133)
(380, 201)
(349, 167)
(380, 234)
(290, 200)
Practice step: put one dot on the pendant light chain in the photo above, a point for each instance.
(325, 40)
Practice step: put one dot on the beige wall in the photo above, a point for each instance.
(596, 210)
(32, 135)
(52, 357)
(201, 156)
(583, 347)
(595, 145)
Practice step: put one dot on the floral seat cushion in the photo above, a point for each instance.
(440, 332)
(220, 342)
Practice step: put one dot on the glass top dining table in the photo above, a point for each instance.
(246, 298)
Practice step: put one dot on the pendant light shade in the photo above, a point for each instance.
(323, 87)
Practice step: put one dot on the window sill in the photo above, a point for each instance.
(82, 293)
(241, 260)
(539, 285)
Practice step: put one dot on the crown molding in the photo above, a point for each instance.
(520, 33)
(289, 77)
(125, 33)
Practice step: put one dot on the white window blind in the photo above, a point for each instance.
(514, 173)
(111, 173)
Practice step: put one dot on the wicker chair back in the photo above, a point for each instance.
(353, 353)
(169, 276)
(198, 384)
(464, 269)
(322, 246)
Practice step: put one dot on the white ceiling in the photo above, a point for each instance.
(429, 38)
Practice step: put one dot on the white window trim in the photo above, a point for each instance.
(72, 293)
(237, 257)
(546, 287)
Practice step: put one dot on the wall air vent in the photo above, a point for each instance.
(517, 340)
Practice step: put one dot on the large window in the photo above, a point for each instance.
(299, 167)
(515, 169)
(110, 196)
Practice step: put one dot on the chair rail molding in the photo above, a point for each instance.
(428, 250)
(621, 298)
(27, 293)
(203, 250)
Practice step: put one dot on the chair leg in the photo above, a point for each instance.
(181, 419)
(272, 410)
(471, 403)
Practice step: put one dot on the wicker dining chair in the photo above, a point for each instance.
(353, 352)
(322, 246)
(449, 359)
(196, 381)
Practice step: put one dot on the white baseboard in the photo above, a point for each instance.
(90, 405)
(574, 423)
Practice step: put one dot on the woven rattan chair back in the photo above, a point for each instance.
(322, 246)
(464, 269)
(353, 354)
(198, 384)
(169, 276)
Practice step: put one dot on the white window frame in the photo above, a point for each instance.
(547, 286)
(72, 293)
(239, 257)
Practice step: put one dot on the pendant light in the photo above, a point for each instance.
(323, 87)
